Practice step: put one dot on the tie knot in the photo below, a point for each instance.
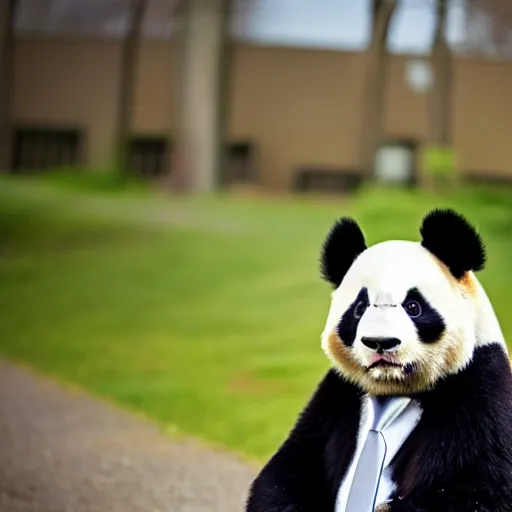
(387, 410)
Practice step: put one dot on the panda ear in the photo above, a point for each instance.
(344, 242)
(452, 239)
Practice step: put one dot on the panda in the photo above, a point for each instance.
(410, 334)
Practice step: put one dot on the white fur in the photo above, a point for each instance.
(487, 327)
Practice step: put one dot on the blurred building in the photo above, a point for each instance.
(293, 111)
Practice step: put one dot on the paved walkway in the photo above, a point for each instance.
(62, 451)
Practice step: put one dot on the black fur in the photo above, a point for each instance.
(344, 242)
(457, 459)
(349, 321)
(450, 237)
(429, 324)
(305, 472)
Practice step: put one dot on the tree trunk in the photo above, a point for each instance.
(7, 9)
(127, 82)
(440, 107)
(441, 161)
(201, 96)
(375, 83)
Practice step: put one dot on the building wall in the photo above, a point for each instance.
(71, 83)
(154, 110)
(483, 116)
(301, 107)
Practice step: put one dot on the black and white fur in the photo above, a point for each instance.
(451, 361)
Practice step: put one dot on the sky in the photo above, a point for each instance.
(335, 24)
(345, 24)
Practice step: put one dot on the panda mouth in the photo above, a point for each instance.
(385, 363)
(408, 368)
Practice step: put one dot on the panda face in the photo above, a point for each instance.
(399, 320)
(406, 314)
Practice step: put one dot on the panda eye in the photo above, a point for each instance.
(413, 308)
(359, 309)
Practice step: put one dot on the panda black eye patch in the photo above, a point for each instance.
(350, 320)
(429, 323)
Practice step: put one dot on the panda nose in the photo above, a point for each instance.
(380, 344)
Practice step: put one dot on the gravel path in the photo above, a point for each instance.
(61, 451)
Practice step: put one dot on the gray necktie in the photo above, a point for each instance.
(365, 485)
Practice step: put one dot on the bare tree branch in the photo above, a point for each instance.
(490, 27)
(107, 18)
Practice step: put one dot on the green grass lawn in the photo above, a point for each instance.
(205, 314)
